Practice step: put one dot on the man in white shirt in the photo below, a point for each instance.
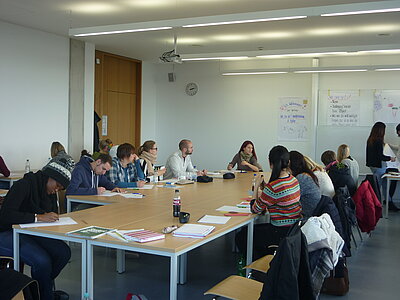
(179, 162)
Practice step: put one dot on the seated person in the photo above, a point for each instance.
(32, 199)
(148, 157)
(343, 156)
(3, 168)
(246, 158)
(104, 146)
(57, 149)
(88, 176)
(338, 172)
(179, 162)
(324, 181)
(309, 187)
(281, 198)
(126, 171)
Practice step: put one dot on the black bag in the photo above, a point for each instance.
(228, 175)
(204, 178)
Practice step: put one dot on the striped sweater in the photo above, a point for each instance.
(281, 198)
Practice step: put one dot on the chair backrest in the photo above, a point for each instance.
(13, 282)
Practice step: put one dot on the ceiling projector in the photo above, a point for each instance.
(170, 57)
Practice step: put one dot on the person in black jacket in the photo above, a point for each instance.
(33, 199)
(376, 159)
(338, 172)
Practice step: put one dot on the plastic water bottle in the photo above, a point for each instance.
(253, 182)
(241, 271)
(27, 166)
(176, 205)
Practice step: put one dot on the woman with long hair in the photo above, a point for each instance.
(148, 157)
(246, 158)
(280, 197)
(343, 156)
(375, 156)
(309, 186)
(324, 181)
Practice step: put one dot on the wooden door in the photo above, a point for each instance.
(118, 96)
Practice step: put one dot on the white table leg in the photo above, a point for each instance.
(16, 250)
(387, 197)
(68, 205)
(120, 261)
(89, 271)
(250, 232)
(173, 281)
(84, 271)
(182, 262)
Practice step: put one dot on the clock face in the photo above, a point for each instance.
(191, 89)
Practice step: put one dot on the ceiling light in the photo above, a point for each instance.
(331, 71)
(122, 31)
(215, 58)
(388, 69)
(302, 54)
(244, 21)
(361, 12)
(380, 51)
(254, 73)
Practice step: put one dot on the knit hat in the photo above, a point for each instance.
(60, 168)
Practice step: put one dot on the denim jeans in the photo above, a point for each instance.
(46, 257)
(382, 182)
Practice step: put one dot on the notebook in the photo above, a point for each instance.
(143, 236)
(196, 231)
(90, 232)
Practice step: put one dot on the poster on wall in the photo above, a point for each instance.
(387, 106)
(293, 119)
(343, 108)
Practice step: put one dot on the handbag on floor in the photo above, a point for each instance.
(338, 282)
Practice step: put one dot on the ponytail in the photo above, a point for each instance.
(279, 159)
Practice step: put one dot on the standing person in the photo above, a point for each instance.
(126, 171)
(246, 158)
(343, 156)
(376, 158)
(88, 176)
(338, 172)
(325, 183)
(32, 199)
(179, 163)
(104, 146)
(310, 194)
(280, 197)
(148, 157)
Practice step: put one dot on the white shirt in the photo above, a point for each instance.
(177, 165)
(325, 184)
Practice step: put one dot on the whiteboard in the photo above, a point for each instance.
(329, 137)
(387, 106)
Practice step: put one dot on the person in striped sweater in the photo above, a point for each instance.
(281, 198)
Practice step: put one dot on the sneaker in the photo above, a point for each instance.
(393, 207)
(60, 295)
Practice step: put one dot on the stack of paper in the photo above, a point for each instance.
(143, 236)
(195, 231)
(214, 219)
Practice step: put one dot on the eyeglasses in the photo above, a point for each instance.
(154, 148)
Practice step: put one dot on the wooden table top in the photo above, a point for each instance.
(154, 211)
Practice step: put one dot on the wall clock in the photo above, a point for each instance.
(191, 89)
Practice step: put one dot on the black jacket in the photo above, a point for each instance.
(340, 176)
(289, 276)
(27, 197)
(375, 155)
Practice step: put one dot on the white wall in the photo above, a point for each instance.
(226, 111)
(34, 68)
(230, 109)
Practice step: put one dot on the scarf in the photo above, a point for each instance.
(150, 161)
(245, 156)
(41, 202)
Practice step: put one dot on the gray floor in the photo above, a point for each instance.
(373, 269)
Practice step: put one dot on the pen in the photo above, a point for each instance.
(84, 222)
(201, 217)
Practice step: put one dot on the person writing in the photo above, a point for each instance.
(246, 158)
(32, 199)
(126, 171)
(148, 157)
(88, 177)
(179, 162)
(280, 197)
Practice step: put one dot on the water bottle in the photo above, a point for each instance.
(176, 205)
(253, 182)
(241, 271)
(27, 166)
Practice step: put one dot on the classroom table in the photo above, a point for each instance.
(14, 176)
(3, 192)
(152, 212)
(389, 177)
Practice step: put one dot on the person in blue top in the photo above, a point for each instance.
(88, 177)
(126, 171)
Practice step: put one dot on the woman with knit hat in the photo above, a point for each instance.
(33, 199)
